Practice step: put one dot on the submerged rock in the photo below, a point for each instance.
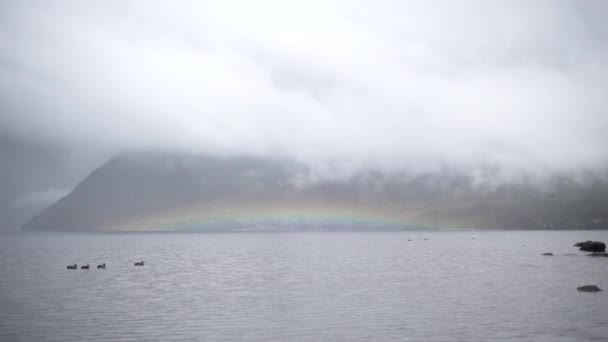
(589, 288)
(591, 246)
(547, 254)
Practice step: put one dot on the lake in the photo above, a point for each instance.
(302, 286)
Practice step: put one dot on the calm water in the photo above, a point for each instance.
(334, 286)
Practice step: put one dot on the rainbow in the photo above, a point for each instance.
(273, 215)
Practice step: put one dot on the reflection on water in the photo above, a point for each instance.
(323, 286)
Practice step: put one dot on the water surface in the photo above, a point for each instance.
(309, 286)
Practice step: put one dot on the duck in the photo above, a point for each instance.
(102, 266)
(72, 267)
(141, 263)
(85, 267)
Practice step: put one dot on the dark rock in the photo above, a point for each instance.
(592, 246)
(547, 254)
(589, 288)
(580, 244)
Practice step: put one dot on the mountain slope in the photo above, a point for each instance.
(156, 191)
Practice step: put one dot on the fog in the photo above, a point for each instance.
(516, 86)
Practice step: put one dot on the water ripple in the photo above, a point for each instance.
(301, 287)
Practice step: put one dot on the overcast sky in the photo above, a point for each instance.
(520, 85)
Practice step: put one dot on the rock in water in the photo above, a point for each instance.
(589, 288)
(580, 244)
(591, 246)
(547, 254)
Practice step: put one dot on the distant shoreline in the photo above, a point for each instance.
(307, 230)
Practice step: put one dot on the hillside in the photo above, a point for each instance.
(163, 191)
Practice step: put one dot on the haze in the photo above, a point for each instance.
(517, 86)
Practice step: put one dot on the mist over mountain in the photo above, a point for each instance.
(494, 95)
(169, 191)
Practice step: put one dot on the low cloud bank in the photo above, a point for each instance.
(515, 87)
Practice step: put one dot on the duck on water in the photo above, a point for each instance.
(100, 266)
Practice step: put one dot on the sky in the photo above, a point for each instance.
(519, 86)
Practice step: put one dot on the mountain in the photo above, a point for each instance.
(166, 191)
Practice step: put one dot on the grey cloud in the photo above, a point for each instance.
(393, 85)
(40, 199)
